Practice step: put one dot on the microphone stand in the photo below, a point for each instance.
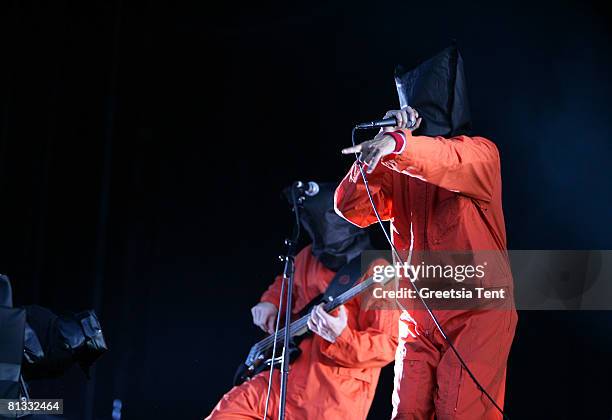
(297, 195)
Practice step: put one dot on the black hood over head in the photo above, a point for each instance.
(335, 241)
(436, 88)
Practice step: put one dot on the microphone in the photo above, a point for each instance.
(387, 122)
(310, 189)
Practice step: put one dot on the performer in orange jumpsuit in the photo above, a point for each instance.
(336, 375)
(441, 190)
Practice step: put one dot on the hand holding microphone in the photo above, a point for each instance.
(372, 151)
(396, 118)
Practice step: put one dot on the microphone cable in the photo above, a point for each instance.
(414, 286)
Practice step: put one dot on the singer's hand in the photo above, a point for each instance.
(372, 151)
(325, 325)
(406, 118)
(264, 316)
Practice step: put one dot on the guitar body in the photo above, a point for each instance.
(262, 362)
(259, 360)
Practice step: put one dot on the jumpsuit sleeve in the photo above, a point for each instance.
(372, 339)
(369, 348)
(466, 165)
(351, 198)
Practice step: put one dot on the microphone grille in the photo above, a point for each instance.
(313, 189)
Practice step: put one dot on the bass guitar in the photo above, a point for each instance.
(260, 355)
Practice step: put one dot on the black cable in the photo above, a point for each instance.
(415, 287)
(296, 212)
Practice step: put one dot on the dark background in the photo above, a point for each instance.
(144, 144)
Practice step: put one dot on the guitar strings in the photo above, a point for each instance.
(302, 322)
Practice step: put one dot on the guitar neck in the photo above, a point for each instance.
(298, 326)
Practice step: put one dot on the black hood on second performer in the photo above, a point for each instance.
(334, 240)
(436, 88)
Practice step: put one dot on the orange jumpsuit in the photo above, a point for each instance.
(442, 194)
(328, 380)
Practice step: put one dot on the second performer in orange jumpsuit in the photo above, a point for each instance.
(336, 375)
